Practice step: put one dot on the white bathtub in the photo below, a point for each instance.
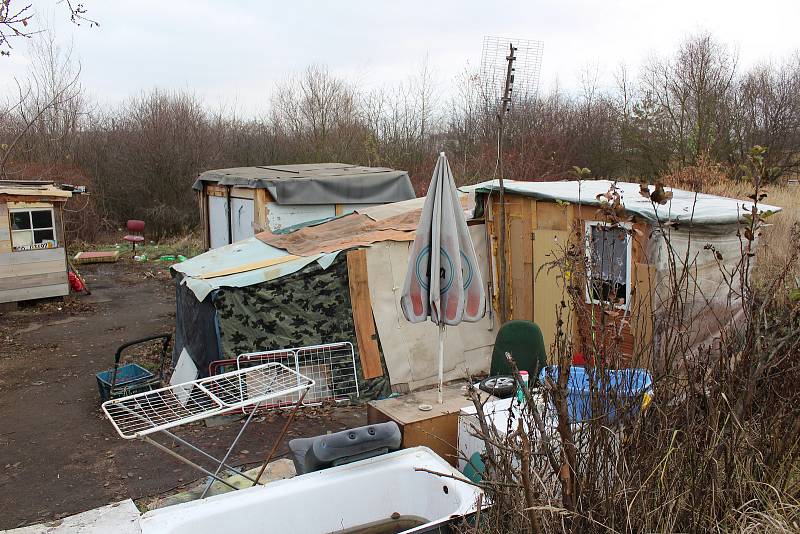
(343, 498)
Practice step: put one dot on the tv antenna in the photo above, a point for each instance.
(510, 71)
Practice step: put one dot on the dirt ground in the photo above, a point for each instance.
(58, 454)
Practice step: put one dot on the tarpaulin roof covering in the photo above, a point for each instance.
(268, 256)
(319, 183)
(242, 264)
(685, 206)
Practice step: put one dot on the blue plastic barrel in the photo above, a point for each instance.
(617, 389)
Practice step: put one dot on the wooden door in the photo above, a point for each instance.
(548, 246)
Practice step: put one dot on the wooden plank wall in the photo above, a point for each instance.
(519, 263)
(5, 229)
(548, 246)
(202, 201)
(537, 231)
(32, 274)
(260, 200)
(642, 312)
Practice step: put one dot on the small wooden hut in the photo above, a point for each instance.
(630, 258)
(237, 203)
(33, 261)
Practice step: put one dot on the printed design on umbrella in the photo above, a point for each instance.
(423, 266)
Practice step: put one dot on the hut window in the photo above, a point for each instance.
(32, 229)
(608, 254)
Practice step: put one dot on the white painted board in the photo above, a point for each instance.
(279, 217)
(241, 218)
(119, 518)
(217, 221)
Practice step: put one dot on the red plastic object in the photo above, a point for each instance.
(75, 283)
(135, 232)
(135, 226)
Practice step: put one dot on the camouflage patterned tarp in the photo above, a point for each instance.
(309, 307)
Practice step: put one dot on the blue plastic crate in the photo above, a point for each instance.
(129, 376)
(621, 389)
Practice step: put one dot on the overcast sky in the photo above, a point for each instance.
(231, 53)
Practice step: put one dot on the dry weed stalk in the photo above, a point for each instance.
(716, 451)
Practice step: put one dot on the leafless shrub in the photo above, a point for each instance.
(41, 120)
(714, 452)
(693, 112)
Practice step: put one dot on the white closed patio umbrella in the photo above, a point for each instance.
(444, 247)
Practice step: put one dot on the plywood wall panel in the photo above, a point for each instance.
(14, 295)
(366, 335)
(550, 291)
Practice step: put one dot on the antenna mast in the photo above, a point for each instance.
(501, 57)
(505, 107)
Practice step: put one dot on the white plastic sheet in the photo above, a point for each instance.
(685, 206)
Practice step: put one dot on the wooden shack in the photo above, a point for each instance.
(33, 261)
(546, 220)
(237, 203)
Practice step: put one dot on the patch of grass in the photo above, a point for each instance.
(775, 246)
(188, 246)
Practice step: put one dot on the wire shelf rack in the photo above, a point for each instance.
(138, 415)
(331, 366)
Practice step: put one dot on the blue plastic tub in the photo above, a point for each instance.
(131, 378)
(622, 389)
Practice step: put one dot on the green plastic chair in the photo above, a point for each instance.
(523, 339)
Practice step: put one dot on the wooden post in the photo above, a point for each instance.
(228, 215)
(366, 336)
(202, 197)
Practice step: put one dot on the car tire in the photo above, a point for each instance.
(502, 386)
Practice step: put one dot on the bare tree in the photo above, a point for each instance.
(690, 108)
(690, 95)
(42, 120)
(318, 109)
(768, 107)
(15, 21)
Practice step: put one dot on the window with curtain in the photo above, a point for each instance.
(32, 229)
(608, 254)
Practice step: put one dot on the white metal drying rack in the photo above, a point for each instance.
(143, 414)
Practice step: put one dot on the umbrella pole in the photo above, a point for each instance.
(441, 361)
